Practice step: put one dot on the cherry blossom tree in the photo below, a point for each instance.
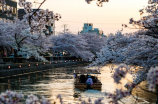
(148, 20)
(133, 49)
(95, 42)
(26, 36)
(17, 35)
(76, 45)
(39, 18)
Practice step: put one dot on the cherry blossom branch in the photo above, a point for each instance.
(99, 2)
(38, 7)
(35, 12)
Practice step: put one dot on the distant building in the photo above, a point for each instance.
(9, 3)
(50, 30)
(88, 27)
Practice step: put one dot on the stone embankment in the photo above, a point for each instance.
(10, 70)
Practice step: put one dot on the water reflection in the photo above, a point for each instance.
(60, 81)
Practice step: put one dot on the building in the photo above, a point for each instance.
(50, 30)
(88, 27)
(9, 3)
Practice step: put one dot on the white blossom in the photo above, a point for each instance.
(76, 45)
(152, 78)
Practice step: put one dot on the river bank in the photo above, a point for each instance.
(18, 69)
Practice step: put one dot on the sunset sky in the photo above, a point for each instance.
(108, 18)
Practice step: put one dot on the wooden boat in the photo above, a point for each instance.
(81, 84)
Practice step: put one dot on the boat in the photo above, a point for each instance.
(81, 76)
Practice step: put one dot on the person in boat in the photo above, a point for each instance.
(82, 78)
(89, 82)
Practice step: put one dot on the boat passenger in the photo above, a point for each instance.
(89, 82)
(82, 79)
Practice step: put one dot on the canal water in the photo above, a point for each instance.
(60, 81)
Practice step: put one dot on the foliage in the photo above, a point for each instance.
(11, 97)
(149, 22)
(133, 50)
(95, 42)
(76, 45)
(17, 35)
(38, 19)
(26, 36)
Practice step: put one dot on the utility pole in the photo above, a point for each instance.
(36, 3)
(65, 25)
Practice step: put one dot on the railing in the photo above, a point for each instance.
(11, 65)
(32, 59)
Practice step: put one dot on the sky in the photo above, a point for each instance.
(108, 18)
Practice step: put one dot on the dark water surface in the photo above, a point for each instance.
(60, 81)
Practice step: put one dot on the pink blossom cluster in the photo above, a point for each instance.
(32, 99)
(97, 101)
(10, 97)
(45, 100)
(120, 72)
(21, 2)
(152, 78)
(119, 94)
